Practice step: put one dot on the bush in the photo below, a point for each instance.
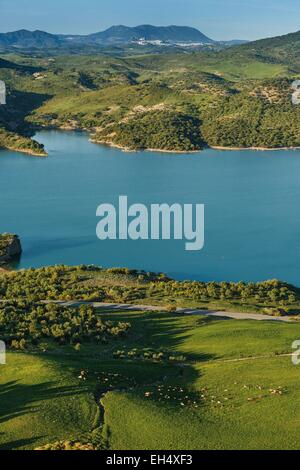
(23, 324)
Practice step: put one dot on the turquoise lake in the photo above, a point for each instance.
(252, 222)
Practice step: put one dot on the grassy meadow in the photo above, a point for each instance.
(174, 382)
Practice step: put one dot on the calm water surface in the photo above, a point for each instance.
(252, 225)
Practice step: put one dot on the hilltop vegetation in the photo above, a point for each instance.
(281, 49)
(164, 130)
(182, 112)
(259, 117)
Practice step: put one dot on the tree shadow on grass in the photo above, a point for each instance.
(169, 384)
(169, 332)
(153, 330)
(18, 399)
(156, 331)
(20, 443)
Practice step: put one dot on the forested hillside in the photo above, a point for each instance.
(239, 97)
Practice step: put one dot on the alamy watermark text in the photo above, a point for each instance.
(156, 222)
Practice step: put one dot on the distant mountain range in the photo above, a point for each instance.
(125, 34)
(181, 36)
(24, 39)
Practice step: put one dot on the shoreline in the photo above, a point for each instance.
(208, 147)
(131, 150)
(128, 150)
(27, 151)
(257, 149)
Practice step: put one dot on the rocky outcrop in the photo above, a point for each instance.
(10, 247)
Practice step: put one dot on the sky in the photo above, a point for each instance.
(218, 19)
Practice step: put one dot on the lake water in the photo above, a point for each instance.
(252, 222)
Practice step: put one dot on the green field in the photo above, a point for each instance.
(221, 384)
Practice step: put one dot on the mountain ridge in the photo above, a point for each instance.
(113, 36)
(152, 33)
(25, 38)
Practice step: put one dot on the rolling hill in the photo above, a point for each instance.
(24, 39)
(280, 49)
